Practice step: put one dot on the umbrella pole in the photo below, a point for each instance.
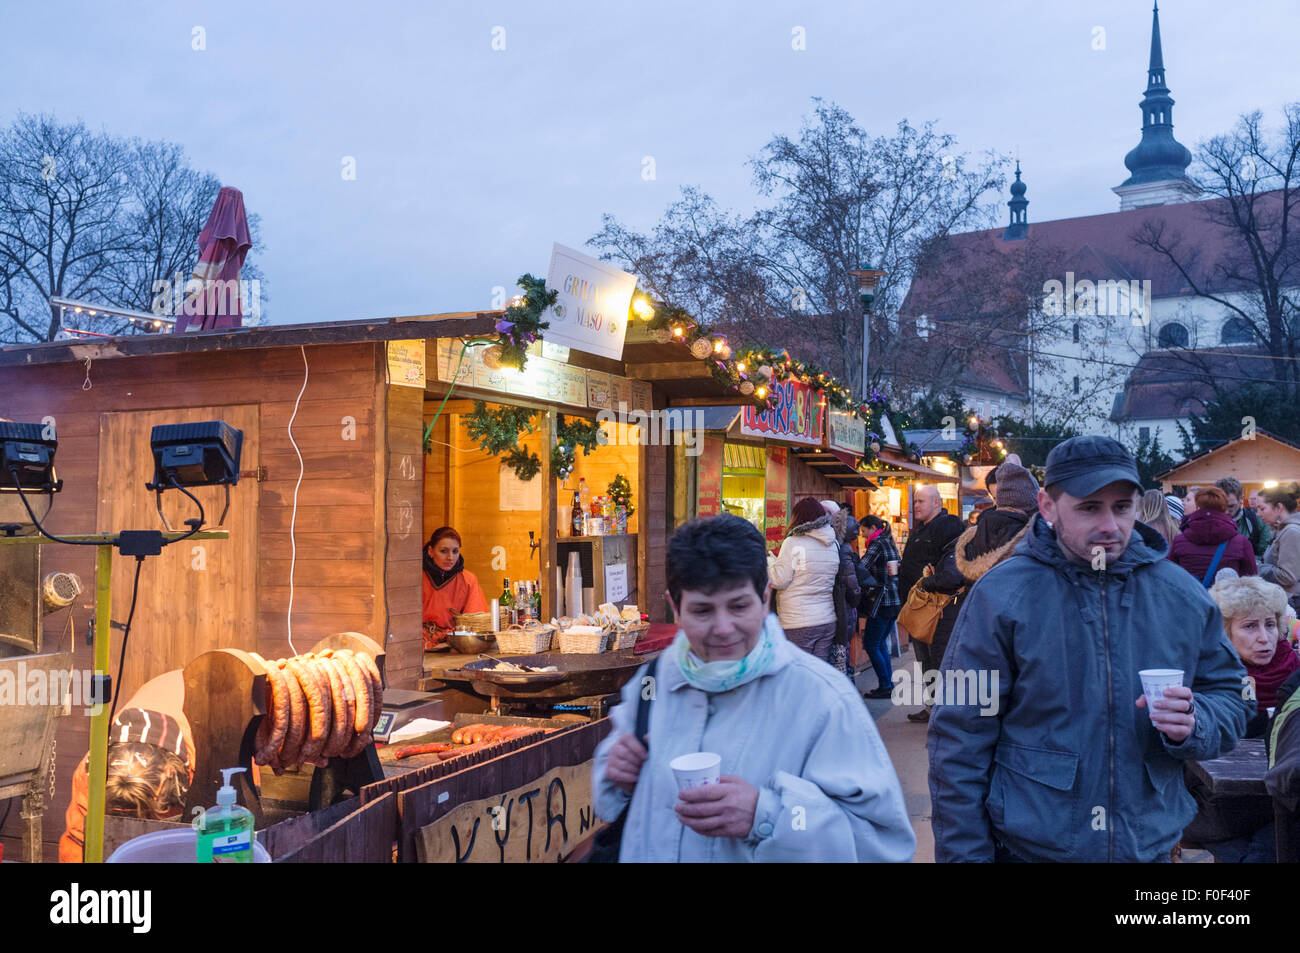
(98, 768)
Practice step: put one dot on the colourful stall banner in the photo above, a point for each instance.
(796, 416)
(709, 481)
(776, 489)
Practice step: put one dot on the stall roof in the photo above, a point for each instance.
(459, 324)
(683, 378)
(912, 471)
(933, 441)
(1229, 448)
(834, 465)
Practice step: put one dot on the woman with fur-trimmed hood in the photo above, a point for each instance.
(982, 546)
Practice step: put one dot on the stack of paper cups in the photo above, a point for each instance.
(573, 587)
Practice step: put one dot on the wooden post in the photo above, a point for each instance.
(548, 552)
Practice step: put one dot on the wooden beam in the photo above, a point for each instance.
(675, 371)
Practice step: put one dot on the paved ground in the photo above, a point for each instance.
(905, 742)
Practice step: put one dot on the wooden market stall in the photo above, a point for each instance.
(1258, 459)
(327, 522)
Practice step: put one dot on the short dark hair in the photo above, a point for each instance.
(872, 521)
(705, 555)
(1228, 485)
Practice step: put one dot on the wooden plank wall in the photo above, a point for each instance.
(402, 566)
(335, 585)
(806, 481)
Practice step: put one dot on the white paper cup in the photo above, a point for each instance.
(1156, 680)
(696, 769)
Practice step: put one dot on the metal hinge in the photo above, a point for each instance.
(258, 474)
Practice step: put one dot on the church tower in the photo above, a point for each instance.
(1019, 225)
(1159, 162)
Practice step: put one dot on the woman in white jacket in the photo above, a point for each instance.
(804, 573)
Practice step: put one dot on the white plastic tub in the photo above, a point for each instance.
(170, 847)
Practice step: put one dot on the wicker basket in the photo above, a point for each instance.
(581, 643)
(479, 623)
(525, 641)
(621, 639)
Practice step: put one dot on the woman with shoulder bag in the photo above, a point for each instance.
(880, 603)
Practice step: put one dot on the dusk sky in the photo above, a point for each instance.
(471, 161)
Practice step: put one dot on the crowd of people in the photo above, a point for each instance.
(1058, 596)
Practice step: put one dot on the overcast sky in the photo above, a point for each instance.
(471, 161)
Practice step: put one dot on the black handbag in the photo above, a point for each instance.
(609, 841)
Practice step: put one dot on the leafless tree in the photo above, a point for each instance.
(840, 200)
(88, 216)
(1254, 175)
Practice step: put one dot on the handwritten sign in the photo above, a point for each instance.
(616, 582)
(796, 415)
(590, 313)
(539, 822)
(846, 432)
(406, 363)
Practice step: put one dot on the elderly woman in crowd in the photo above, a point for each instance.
(804, 572)
(803, 776)
(1256, 618)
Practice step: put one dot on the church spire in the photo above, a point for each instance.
(1019, 225)
(1158, 164)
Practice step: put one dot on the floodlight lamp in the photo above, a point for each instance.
(27, 458)
(198, 454)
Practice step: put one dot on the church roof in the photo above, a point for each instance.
(1175, 382)
(1099, 247)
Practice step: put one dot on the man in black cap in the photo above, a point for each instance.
(1073, 762)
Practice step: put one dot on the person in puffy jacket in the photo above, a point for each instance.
(1208, 527)
(804, 572)
(880, 603)
(1070, 761)
(1279, 507)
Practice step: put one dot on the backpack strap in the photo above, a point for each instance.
(643, 707)
(1208, 579)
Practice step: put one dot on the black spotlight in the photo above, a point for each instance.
(202, 454)
(27, 458)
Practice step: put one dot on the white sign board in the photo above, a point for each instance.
(590, 313)
(846, 432)
(615, 582)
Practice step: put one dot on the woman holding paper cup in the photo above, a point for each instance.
(756, 750)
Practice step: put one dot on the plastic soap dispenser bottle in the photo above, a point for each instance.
(226, 831)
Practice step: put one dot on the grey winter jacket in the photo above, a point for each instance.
(1067, 768)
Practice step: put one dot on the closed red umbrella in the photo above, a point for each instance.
(223, 245)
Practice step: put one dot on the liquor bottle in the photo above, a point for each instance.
(523, 603)
(537, 600)
(575, 521)
(584, 494)
(507, 602)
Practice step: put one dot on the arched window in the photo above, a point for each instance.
(1172, 334)
(1237, 331)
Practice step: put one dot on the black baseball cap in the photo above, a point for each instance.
(1083, 465)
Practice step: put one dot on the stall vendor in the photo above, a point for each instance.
(448, 586)
(150, 762)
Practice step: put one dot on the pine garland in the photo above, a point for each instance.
(497, 432)
(569, 436)
(522, 323)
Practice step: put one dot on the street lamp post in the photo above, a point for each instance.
(868, 278)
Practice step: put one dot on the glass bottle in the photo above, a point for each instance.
(575, 520)
(507, 603)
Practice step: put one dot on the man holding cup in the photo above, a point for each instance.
(756, 750)
(1075, 762)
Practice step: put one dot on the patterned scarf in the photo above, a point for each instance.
(725, 675)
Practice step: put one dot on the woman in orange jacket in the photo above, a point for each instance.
(448, 586)
(150, 762)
